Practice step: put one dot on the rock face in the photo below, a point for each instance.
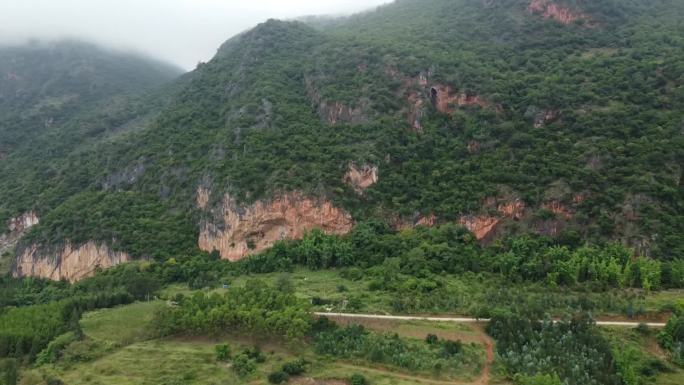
(444, 98)
(484, 226)
(17, 227)
(545, 117)
(549, 10)
(202, 197)
(407, 224)
(361, 178)
(559, 209)
(336, 112)
(237, 232)
(71, 263)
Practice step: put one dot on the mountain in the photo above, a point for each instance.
(558, 118)
(57, 98)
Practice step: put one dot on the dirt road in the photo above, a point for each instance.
(466, 320)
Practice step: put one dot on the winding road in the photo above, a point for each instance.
(466, 320)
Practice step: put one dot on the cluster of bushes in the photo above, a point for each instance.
(26, 331)
(293, 368)
(572, 351)
(355, 342)
(672, 338)
(256, 309)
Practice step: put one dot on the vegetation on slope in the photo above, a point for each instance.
(249, 121)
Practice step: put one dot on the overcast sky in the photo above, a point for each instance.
(183, 32)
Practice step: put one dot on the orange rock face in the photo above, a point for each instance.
(483, 226)
(401, 224)
(361, 178)
(444, 99)
(244, 231)
(549, 10)
(71, 263)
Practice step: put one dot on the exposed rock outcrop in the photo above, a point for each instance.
(70, 263)
(420, 220)
(23, 222)
(237, 232)
(336, 112)
(202, 198)
(17, 227)
(545, 117)
(445, 98)
(559, 209)
(484, 226)
(361, 178)
(550, 10)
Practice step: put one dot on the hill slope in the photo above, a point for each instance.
(560, 118)
(56, 98)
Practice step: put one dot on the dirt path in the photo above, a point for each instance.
(468, 320)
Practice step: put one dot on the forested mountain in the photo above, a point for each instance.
(558, 118)
(55, 97)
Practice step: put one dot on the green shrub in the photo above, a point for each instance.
(222, 352)
(243, 366)
(278, 377)
(357, 379)
(54, 349)
(9, 371)
(295, 368)
(431, 339)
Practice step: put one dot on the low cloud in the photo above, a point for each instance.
(183, 32)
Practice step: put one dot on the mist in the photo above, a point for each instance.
(182, 32)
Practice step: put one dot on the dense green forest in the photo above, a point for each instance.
(256, 120)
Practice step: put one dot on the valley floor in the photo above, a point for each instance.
(119, 348)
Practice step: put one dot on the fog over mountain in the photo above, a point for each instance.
(183, 32)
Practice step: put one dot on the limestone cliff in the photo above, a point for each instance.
(16, 228)
(361, 178)
(239, 231)
(70, 262)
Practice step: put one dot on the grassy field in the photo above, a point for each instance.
(132, 356)
(122, 325)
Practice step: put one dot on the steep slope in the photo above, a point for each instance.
(561, 118)
(55, 99)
